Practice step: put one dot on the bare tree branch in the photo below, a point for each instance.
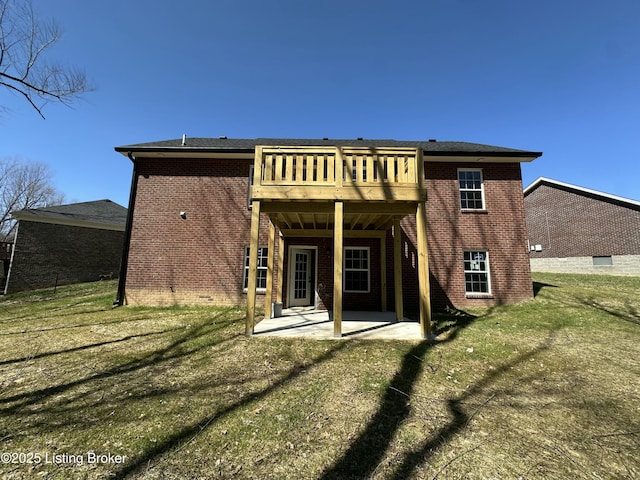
(24, 185)
(24, 42)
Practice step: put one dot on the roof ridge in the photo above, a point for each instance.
(540, 180)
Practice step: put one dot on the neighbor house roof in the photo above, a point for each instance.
(239, 145)
(581, 191)
(103, 214)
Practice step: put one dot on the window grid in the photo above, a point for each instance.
(263, 258)
(471, 189)
(476, 272)
(356, 269)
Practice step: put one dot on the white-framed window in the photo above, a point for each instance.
(263, 258)
(356, 269)
(476, 272)
(471, 189)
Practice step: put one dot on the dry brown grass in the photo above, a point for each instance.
(544, 389)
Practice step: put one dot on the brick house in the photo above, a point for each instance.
(335, 224)
(575, 229)
(65, 244)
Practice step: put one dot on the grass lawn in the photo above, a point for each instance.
(549, 388)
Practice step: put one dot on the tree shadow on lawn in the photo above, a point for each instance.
(184, 436)
(61, 401)
(371, 445)
(628, 312)
(36, 356)
(177, 349)
(364, 455)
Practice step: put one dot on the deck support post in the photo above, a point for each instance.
(280, 267)
(423, 272)
(253, 268)
(338, 234)
(397, 268)
(268, 313)
(424, 290)
(383, 273)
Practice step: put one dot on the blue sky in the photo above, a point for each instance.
(561, 77)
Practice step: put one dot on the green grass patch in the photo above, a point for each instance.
(544, 389)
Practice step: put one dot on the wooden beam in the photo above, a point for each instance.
(380, 221)
(328, 233)
(362, 191)
(257, 168)
(423, 272)
(339, 167)
(368, 221)
(299, 207)
(397, 268)
(287, 221)
(355, 221)
(253, 267)
(280, 268)
(383, 273)
(271, 253)
(327, 207)
(382, 208)
(337, 269)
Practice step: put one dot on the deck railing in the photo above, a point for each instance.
(324, 173)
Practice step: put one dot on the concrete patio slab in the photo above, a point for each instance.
(318, 324)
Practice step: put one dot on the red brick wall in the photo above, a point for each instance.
(500, 230)
(200, 259)
(569, 224)
(48, 254)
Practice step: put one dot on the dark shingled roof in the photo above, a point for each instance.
(248, 145)
(587, 192)
(99, 211)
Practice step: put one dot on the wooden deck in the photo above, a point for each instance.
(338, 192)
(337, 173)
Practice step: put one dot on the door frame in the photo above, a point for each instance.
(313, 293)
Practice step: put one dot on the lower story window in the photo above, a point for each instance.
(476, 271)
(261, 281)
(356, 269)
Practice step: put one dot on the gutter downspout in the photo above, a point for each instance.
(122, 277)
(13, 252)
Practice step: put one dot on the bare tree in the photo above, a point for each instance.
(24, 185)
(24, 42)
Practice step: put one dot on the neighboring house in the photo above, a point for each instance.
(575, 229)
(65, 244)
(334, 224)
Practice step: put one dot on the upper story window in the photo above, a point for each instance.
(471, 189)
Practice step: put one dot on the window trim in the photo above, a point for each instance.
(460, 190)
(344, 269)
(245, 270)
(487, 272)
